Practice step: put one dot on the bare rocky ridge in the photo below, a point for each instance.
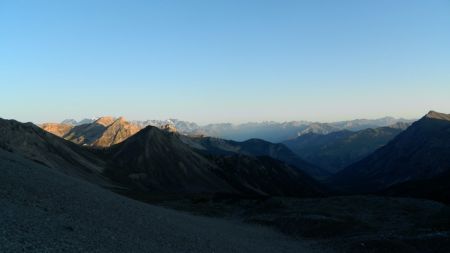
(420, 152)
(153, 160)
(116, 132)
(437, 115)
(51, 201)
(103, 132)
(270, 131)
(40, 146)
(337, 150)
(157, 160)
(255, 148)
(107, 131)
(57, 129)
(105, 121)
(266, 177)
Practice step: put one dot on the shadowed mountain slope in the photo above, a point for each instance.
(32, 142)
(335, 151)
(419, 153)
(158, 160)
(153, 160)
(266, 176)
(254, 147)
(42, 210)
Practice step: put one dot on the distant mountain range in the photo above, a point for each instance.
(103, 132)
(107, 131)
(269, 131)
(52, 182)
(385, 160)
(153, 160)
(418, 157)
(278, 132)
(325, 148)
(336, 150)
(254, 147)
(158, 160)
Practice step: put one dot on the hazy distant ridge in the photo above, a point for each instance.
(269, 131)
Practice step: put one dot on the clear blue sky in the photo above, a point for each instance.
(224, 61)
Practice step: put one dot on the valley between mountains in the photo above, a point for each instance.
(356, 186)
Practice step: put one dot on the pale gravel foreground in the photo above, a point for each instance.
(42, 210)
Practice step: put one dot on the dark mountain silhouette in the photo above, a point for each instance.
(337, 150)
(31, 142)
(157, 160)
(48, 211)
(266, 176)
(419, 153)
(254, 147)
(86, 134)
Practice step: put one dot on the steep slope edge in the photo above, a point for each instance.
(158, 161)
(45, 148)
(421, 152)
(254, 147)
(338, 150)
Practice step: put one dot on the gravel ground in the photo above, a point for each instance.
(42, 210)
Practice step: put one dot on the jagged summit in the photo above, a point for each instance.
(256, 148)
(148, 130)
(437, 115)
(116, 121)
(103, 132)
(88, 131)
(116, 132)
(105, 121)
(337, 150)
(57, 129)
(420, 152)
(158, 160)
